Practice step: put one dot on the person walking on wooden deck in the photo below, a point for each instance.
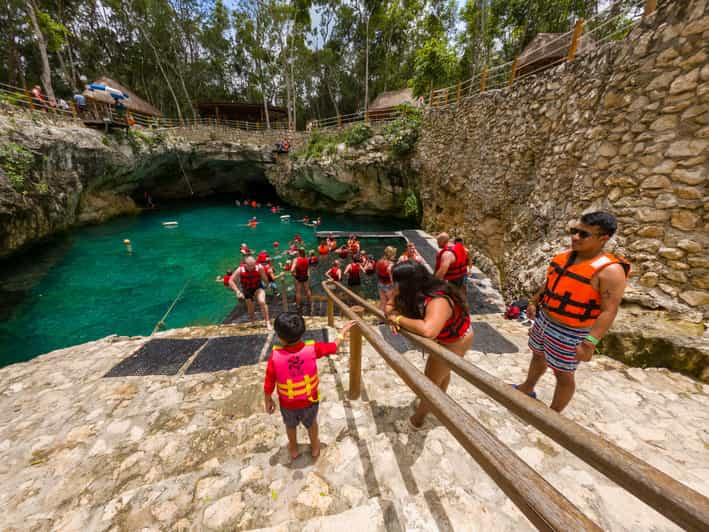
(575, 307)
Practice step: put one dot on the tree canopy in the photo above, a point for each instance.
(318, 58)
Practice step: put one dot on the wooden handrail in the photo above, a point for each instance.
(543, 505)
(679, 503)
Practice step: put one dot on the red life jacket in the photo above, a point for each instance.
(226, 279)
(343, 253)
(323, 249)
(269, 272)
(335, 273)
(250, 279)
(287, 267)
(262, 257)
(313, 260)
(460, 253)
(355, 270)
(456, 270)
(301, 267)
(456, 326)
(382, 268)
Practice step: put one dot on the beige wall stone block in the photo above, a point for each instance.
(648, 214)
(698, 262)
(651, 231)
(665, 201)
(689, 246)
(687, 192)
(695, 298)
(701, 281)
(668, 121)
(686, 148)
(649, 279)
(671, 253)
(696, 26)
(685, 220)
(677, 277)
(656, 181)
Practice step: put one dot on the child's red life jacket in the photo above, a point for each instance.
(296, 374)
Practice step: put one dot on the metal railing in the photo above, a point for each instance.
(679, 503)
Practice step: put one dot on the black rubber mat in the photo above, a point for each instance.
(488, 340)
(157, 357)
(397, 341)
(319, 335)
(228, 352)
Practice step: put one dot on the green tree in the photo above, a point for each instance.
(435, 63)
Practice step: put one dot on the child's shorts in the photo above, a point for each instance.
(557, 342)
(306, 415)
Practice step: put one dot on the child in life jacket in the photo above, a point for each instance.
(293, 372)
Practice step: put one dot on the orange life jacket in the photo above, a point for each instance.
(323, 249)
(569, 297)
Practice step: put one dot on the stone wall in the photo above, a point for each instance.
(624, 128)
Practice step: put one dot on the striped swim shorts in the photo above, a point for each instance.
(557, 342)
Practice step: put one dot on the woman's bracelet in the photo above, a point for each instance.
(397, 320)
(339, 337)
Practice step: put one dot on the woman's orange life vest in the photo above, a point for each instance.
(569, 297)
(250, 279)
(382, 268)
(296, 374)
(456, 269)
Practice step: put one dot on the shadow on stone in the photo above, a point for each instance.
(488, 340)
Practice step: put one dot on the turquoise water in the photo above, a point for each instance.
(85, 285)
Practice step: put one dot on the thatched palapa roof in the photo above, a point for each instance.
(133, 102)
(548, 48)
(391, 99)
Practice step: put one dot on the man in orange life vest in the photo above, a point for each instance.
(575, 307)
(450, 265)
(250, 276)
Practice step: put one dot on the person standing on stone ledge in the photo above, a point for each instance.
(575, 307)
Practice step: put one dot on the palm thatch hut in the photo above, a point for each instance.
(386, 102)
(134, 102)
(548, 49)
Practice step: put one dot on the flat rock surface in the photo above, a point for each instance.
(197, 452)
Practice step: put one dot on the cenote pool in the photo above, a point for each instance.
(84, 285)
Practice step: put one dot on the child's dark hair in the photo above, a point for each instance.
(289, 326)
(605, 221)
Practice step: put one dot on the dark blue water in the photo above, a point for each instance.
(85, 285)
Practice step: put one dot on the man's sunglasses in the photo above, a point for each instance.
(581, 233)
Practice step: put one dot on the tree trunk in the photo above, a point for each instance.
(164, 74)
(366, 68)
(67, 74)
(46, 75)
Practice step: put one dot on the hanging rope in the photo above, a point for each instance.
(184, 174)
(161, 323)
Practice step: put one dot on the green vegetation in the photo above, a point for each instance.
(324, 142)
(403, 132)
(16, 162)
(412, 207)
(357, 134)
(316, 59)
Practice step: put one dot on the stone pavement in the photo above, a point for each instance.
(197, 452)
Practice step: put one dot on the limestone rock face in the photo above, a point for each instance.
(622, 128)
(366, 179)
(76, 175)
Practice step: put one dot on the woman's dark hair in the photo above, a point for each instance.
(603, 220)
(289, 326)
(301, 252)
(416, 284)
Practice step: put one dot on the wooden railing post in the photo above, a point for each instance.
(483, 79)
(445, 98)
(330, 307)
(430, 99)
(29, 99)
(650, 7)
(284, 295)
(356, 357)
(73, 109)
(460, 88)
(339, 120)
(578, 30)
(513, 72)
